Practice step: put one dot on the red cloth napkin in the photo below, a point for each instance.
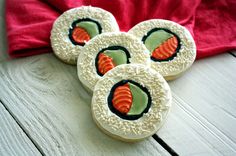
(212, 23)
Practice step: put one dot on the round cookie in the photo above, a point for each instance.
(75, 27)
(107, 51)
(171, 46)
(131, 102)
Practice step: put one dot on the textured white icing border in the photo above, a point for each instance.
(186, 55)
(87, 72)
(146, 125)
(60, 42)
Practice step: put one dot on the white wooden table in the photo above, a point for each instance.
(45, 111)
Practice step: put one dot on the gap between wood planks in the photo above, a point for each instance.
(233, 53)
(155, 136)
(18, 123)
(164, 145)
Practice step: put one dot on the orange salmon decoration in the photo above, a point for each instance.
(80, 35)
(122, 99)
(166, 49)
(105, 63)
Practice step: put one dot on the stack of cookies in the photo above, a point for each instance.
(125, 72)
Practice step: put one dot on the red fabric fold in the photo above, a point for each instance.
(215, 27)
(212, 23)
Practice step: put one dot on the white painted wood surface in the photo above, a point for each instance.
(13, 141)
(50, 98)
(202, 120)
(49, 102)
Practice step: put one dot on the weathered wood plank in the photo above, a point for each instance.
(202, 120)
(49, 102)
(13, 141)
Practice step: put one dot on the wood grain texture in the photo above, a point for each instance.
(202, 120)
(3, 40)
(49, 102)
(13, 141)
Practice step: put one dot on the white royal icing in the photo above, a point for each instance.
(60, 42)
(146, 125)
(87, 72)
(187, 52)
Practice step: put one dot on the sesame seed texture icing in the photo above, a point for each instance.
(135, 49)
(147, 124)
(185, 53)
(63, 47)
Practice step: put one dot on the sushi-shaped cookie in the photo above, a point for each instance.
(75, 27)
(171, 47)
(105, 52)
(131, 102)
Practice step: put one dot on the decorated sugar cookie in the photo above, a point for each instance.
(131, 102)
(75, 27)
(105, 52)
(171, 47)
